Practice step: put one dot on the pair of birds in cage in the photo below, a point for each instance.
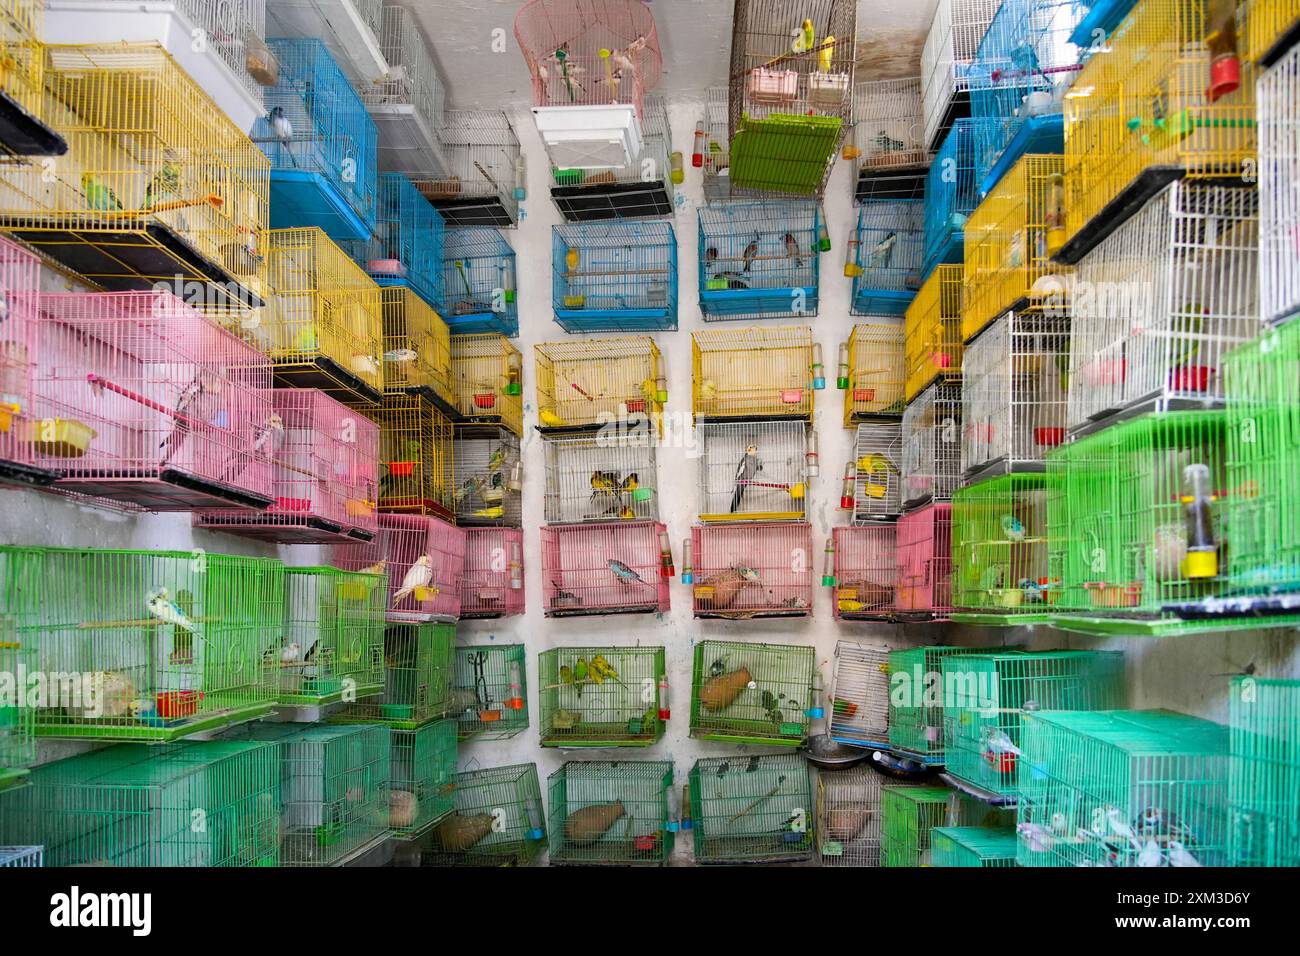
(609, 491)
(713, 260)
(489, 487)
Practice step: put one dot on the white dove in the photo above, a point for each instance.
(1178, 855)
(1038, 837)
(164, 609)
(290, 653)
(1151, 855)
(418, 575)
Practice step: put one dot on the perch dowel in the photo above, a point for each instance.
(140, 622)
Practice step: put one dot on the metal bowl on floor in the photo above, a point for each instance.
(822, 752)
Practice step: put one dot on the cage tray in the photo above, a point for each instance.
(471, 211)
(1241, 606)
(22, 134)
(764, 152)
(612, 201)
(17, 473)
(1289, 38)
(326, 376)
(301, 197)
(891, 184)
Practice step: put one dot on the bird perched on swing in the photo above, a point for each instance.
(200, 400)
(624, 573)
(749, 466)
(282, 130)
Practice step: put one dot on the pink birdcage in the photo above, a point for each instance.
(605, 568)
(326, 476)
(424, 559)
(759, 569)
(924, 548)
(866, 571)
(140, 400)
(493, 583)
(19, 278)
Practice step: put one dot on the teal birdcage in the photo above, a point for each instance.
(332, 646)
(499, 819)
(917, 698)
(422, 778)
(135, 805)
(600, 696)
(615, 276)
(885, 256)
(19, 596)
(611, 812)
(755, 809)
(759, 260)
(972, 846)
(910, 816)
(1264, 787)
(489, 695)
(1123, 788)
(416, 681)
(749, 693)
(478, 276)
(407, 247)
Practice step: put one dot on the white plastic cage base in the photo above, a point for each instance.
(407, 143)
(590, 137)
(344, 26)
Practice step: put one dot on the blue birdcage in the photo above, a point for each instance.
(322, 145)
(951, 195)
(886, 264)
(615, 276)
(478, 274)
(1018, 80)
(407, 246)
(759, 260)
(1096, 19)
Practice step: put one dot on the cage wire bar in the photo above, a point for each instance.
(19, 586)
(1161, 299)
(157, 645)
(932, 332)
(1264, 772)
(424, 559)
(614, 276)
(917, 701)
(759, 260)
(478, 274)
(132, 805)
(717, 155)
(604, 568)
(324, 461)
(488, 474)
(1144, 785)
(865, 571)
(157, 185)
(21, 856)
(745, 570)
(499, 819)
(972, 847)
(610, 812)
(406, 248)
(753, 471)
(1009, 242)
(601, 696)
(489, 694)
(1000, 550)
(889, 140)
(950, 46)
(487, 380)
(789, 101)
(1272, 28)
(407, 106)
(352, 29)
(932, 431)
(872, 373)
(923, 547)
(417, 348)
(332, 646)
(1279, 195)
(1015, 393)
(951, 195)
(483, 183)
(19, 339)
(1157, 109)
(877, 473)
(601, 477)
(885, 257)
(860, 697)
(416, 457)
(745, 692)
(756, 810)
(593, 383)
(760, 372)
(417, 678)
(422, 778)
(321, 142)
(990, 693)
(23, 131)
(333, 789)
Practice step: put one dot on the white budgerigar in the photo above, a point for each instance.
(1000, 743)
(418, 575)
(291, 653)
(1178, 855)
(164, 609)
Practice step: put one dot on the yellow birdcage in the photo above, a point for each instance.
(417, 348)
(755, 373)
(932, 335)
(323, 324)
(22, 82)
(158, 185)
(871, 371)
(1010, 240)
(1271, 25)
(586, 383)
(1156, 104)
(416, 471)
(487, 380)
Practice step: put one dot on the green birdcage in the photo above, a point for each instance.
(417, 678)
(489, 693)
(499, 819)
(848, 817)
(600, 696)
(611, 812)
(917, 698)
(987, 695)
(333, 789)
(204, 804)
(332, 649)
(972, 846)
(146, 645)
(422, 778)
(999, 552)
(755, 809)
(1264, 787)
(910, 814)
(744, 692)
(19, 570)
(1123, 788)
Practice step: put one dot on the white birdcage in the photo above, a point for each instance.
(932, 445)
(484, 177)
(951, 44)
(860, 695)
(486, 464)
(1161, 300)
(349, 28)
(716, 152)
(601, 477)
(1015, 382)
(1278, 95)
(21, 856)
(409, 104)
(753, 471)
(877, 469)
(848, 817)
(889, 130)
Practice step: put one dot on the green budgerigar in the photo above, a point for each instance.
(99, 196)
(165, 183)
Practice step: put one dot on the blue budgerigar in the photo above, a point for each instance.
(624, 573)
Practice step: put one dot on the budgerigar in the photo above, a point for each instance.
(164, 609)
(99, 196)
(418, 575)
(400, 356)
(166, 183)
(496, 459)
(624, 573)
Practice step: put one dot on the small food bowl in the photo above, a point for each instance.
(485, 399)
(791, 396)
(386, 267)
(401, 469)
(61, 437)
(178, 703)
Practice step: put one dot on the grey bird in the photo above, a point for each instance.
(749, 466)
(282, 130)
(199, 401)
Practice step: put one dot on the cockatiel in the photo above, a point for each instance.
(282, 130)
(162, 607)
(268, 440)
(198, 401)
(749, 466)
(624, 573)
(418, 575)
(883, 252)
(792, 250)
